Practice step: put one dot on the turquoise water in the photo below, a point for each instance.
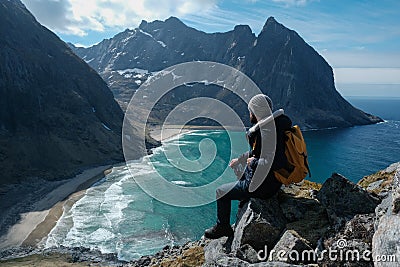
(116, 216)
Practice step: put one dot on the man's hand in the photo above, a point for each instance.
(233, 163)
(249, 160)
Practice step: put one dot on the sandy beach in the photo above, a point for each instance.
(34, 226)
(171, 131)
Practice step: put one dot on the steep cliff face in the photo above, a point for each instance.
(56, 114)
(299, 79)
(284, 66)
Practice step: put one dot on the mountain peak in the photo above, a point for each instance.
(273, 28)
(143, 24)
(173, 20)
(271, 21)
(242, 28)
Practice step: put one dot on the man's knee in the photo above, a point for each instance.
(223, 190)
(220, 192)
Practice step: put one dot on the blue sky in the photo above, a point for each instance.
(359, 39)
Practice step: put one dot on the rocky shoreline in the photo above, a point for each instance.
(338, 223)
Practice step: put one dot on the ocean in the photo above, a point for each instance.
(117, 216)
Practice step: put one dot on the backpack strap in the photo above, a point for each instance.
(268, 119)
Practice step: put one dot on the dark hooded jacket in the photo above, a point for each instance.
(270, 184)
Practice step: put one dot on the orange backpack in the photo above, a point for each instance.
(296, 154)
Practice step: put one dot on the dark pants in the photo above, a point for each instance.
(239, 191)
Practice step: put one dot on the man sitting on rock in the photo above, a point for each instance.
(259, 108)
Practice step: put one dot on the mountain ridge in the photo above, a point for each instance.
(278, 60)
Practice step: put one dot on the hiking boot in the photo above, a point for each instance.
(218, 231)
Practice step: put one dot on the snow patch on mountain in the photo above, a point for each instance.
(135, 70)
(162, 43)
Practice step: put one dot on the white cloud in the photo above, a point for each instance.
(293, 2)
(80, 45)
(76, 17)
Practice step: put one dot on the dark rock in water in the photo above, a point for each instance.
(57, 116)
(278, 60)
(343, 199)
(259, 223)
(296, 248)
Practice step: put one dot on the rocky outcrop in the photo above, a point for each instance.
(291, 241)
(356, 235)
(62, 256)
(339, 226)
(386, 241)
(259, 224)
(278, 60)
(216, 256)
(344, 199)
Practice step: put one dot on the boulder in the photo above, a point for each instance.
(386, 241)
(215, 256)
(380, 182)
(396, 193)
(305, 215)
(343, 199)
(247, 253)
(375, 185)
(259, 224)
(383, 208)
(292, 248)
(352, 243)
(390, 204)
